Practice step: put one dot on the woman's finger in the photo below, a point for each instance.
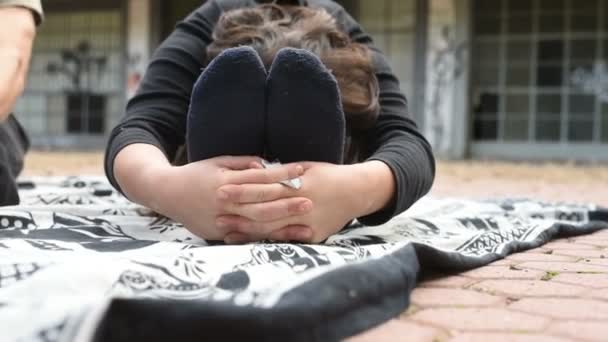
(265, 176)
(299, 233)
(239, 224)
(253, 193)
(235, 224)
(236, 238)
(293, 233)
(271, 211)
(236, 162)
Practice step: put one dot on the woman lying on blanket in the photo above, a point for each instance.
(298, 83)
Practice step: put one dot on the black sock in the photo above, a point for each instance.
(305, 121)
(227, 107)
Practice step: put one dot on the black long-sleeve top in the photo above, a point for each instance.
(156, 115)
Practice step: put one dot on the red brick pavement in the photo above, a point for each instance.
(558, 292)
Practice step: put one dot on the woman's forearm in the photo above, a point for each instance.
(372, 187)
(139, 170)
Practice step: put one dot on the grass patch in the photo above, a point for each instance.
(549, 275)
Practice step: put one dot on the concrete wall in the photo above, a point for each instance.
(447, 86)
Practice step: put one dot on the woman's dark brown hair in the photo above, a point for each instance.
(269, 28)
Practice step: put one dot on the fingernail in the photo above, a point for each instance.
(305, 207)
(221, 223)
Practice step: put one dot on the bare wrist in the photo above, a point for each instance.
(157, 181)
(373, 187)
(143, 173)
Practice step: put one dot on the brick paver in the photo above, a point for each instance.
(513, 337)
(599, 294)
(591, 280)
(482, 319)
(600, 261)
(540, 257)
(426, 297)
(567, 245)
(558, 292)
(574, 267)
(396, 330)
(589, 331)
(599, 243)
(563, 308)
(501, 262)
(448, 281)
(504, 272)
(583, 253)
(523, 288)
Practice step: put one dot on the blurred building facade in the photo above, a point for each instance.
(515, 79)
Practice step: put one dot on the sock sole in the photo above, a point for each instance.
(228, 107)
(305, 119)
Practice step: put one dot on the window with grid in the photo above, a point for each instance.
(391, 23)
(539, 71)
(61, 98)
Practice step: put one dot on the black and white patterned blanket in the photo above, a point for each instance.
(78, 262)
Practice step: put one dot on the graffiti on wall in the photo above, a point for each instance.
(593, 81)
(80, 65)
(135, 65)
(446, 67)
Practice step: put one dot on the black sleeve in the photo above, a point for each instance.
(395, 139)
(156, 115)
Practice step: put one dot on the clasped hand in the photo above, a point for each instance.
(318, 209)
(236, 200)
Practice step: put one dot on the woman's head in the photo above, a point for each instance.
(269, 28)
